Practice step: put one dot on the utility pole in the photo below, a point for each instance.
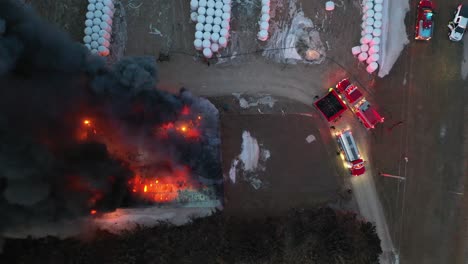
(392, 176)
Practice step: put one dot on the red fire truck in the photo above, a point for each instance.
(368, 116)
(353, 162)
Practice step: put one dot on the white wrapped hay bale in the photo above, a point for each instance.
(224, 33)
(194, 5)
(368, 29)
(201, 19)
(378, 1)
(91, 7)
(89, 15)
(94, 51)
(89, 23)
(329, 6)
(206, 43)
(99, 5)
(88, 46)
(225, 24)
(369, 21)
(218, 12)
(356, 50)
(106, 27)
(374, 57)
(198, 35)
(377, 32)
(265, 17)
(216, 28)
(214, 47)
(378, 7)
(208, 28)
(210, 11)
(378, 24)
(198, 44)
(87, 39)
(210, 3)
(199, 26)
(94, 44)
(95, 36)
(363, 56)
(265, 2)
(217, 21)
(226, 16)
(265, 9)
(378, 16)
(97, 21)
(219, 5)
(194, 16)
(92, 1)
(370, 13)
(96, 29)
(107, 10)
(374, 49)
(227, 8)
(209, 20)
(375, 41)
(201, 10)
(367, 39)
(207, 53)
(372, 67)
(98, 14)
(222, 42)
(264, 25)
(214, 37)
(106, 18)
(109, 3)
(206, 35)
(88, 31)
(368, 5)
(202, 3)
(104, 34)
(262, 35)
(228, 2)
(364, 48)
(104, 42)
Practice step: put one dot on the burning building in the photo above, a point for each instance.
(79, 137)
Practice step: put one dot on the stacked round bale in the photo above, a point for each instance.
(369, 50)
(264, 21)
(98, 28)
(212, 18)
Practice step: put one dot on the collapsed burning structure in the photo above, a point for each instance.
(79, 137)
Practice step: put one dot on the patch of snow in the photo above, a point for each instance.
(232, 170)
(265, 100)
(394, 36)
(265, 154)
(310, 139)
(250, 152)
(464, 64)
(291, 40)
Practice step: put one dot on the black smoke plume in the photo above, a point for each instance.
(48, 84)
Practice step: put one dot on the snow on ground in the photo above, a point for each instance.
(251, 101)
(394, 36)
(291, 40)
(464, 65)
(371, 209)
(253, 158)
(250, 152)
(310, 138)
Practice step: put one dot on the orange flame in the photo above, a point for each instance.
(93, 212)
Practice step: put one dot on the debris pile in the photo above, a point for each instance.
(98, 26)
(212, 28)
(369, 50)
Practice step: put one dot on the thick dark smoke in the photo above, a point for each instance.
(48, 83)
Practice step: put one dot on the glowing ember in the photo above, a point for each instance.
(161, 189)
(93, 212)
(87, 122)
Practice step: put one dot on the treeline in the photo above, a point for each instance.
(321, 236)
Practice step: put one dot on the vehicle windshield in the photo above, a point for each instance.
(428, 14)
(459, 30)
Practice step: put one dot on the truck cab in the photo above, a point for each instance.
(368, 116)
(348, 146)
(458, 26)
